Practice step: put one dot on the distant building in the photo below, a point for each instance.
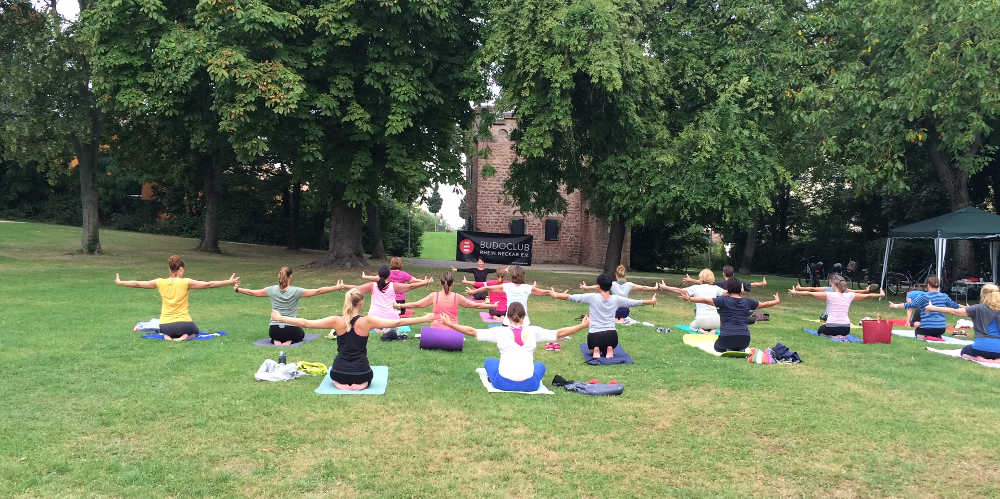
(575, 237)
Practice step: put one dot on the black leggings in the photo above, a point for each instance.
(351, 379)
(178, 329)
(602, 339)
(936, 332)
(732, 343)
(497, 312)
(834, 330)
(968, 350)
(295, 334)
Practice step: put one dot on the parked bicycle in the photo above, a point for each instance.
(812, 272)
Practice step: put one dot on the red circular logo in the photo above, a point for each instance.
(466, 246)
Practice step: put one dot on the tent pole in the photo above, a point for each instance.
(994, 259)
(885, 264)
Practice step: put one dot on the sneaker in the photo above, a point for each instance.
(548, 346)
(556, 347)
(593, 382)
(613, 382)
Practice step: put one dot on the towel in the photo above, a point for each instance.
(201, 336)
(150, 326)
(273, 371)
(376, 387)
(948, 340)
(542, 390)
(266, 342)
(620, 356)
(706, 343)
(846, 339)
(957, 353)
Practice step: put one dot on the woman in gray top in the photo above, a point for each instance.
(603, 337)
(622, 288)
(285, 299)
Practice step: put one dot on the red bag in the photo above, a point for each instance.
(876, 331)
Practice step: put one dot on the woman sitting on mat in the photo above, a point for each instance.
(384, 292)
(516, 290)
(516, 369)
(285, 299)
(931, 323)
(175, 321)
(602, 337)
(986, 322)
(350, 369)
(497, 298)
(621, 288)
(396, 276)
(479, 273)
(706, 316)
(445, 302)
(734, 311)
(838, 303)
(829, 289)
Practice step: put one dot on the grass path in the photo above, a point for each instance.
(438, 245)
(89, 408)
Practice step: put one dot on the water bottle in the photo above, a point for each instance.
(281, 357)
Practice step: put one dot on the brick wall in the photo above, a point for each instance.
(583, 238)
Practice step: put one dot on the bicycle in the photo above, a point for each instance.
(812, 272)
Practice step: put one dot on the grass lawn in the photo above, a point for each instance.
(91, 409)
(437, 245)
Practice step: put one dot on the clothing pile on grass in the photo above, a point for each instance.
(591, 387)
(272, 370)
(778, 354)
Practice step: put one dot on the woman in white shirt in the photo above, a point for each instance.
(516, 370)
(706, 317)
(517, 292)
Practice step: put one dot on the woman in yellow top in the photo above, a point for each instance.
(175, 321)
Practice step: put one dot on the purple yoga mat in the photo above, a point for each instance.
(441, 339)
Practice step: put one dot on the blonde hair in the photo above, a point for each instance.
(352, 303)
(517, 274)
(396, 263)
(284, 276)
(990, 296)
(620, 272)
(839, 283)
(706, 276)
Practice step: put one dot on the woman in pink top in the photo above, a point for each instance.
(445, 302)
(384, 294)
(838, 303)
(497, 298)
(396, 276)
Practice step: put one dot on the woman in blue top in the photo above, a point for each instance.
(986, 321)
(734, 312)
(931, 323)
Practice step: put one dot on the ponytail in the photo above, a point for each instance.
(284, 276)
(383, 278)
(446, 282)
(352, 303)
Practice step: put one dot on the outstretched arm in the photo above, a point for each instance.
(684, 295)
(326, 289)
(759, 284)
(640, 287)
(690, 280)
(557, 295)
(537, 291)
(663, 285)
(470, 283)
(862, 296)
(421, 303)
(466, 330)
(193, 284)
(960, 311)
(771, 303)
(365, 288)
(568, 330)
(418, 283)
(366, 277)
(585, 287)
(135, 284)
(494, 288)
(251, 292)
(467, 303)
(819, 295)
(808, 288)
(331, 322)
(379, 323)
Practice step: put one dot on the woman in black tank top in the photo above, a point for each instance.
(350, 370)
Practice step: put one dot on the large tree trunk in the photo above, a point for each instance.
(375, 231)
(87, 167)
(955, 183)
(295, 199)
(749, 248)
(345, 237)
(210, 237)
(616, 241)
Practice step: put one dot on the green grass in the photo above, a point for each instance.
(438, 245)
(90, 409)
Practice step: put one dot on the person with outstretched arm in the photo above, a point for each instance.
(734, 310)
(620, 287)
(516, 290)
(602, 336)
(729, 273)
(175, 320)
(445, 302)
(985, 321)
(706, 317)
(838, 303)
(931, 323)
(516, 369)
(479, 274)
(285, 299)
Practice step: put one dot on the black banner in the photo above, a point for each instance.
(493, 248)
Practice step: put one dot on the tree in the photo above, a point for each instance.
(46, 103)
(434, 201)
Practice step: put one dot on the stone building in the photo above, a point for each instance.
(575, 237)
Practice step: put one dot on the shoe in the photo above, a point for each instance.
(613, 382)
(548, 346)
(556, 347)
(593, 382)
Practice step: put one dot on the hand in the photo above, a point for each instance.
(427, 317)
(396, 306)
(236, 286)
(653, 299)
(275, 316)
(893, 305)
(777, 298)
(586, 320)
(117, 279)
(583, 285)
(763, 281)
(881, 292)
(233, 278)
(453, 269)
(340, 284)
(684, 295)
(446, 320)
(469, 290)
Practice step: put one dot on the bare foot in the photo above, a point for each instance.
(282, 343)
(597, 353)
(352, 388)
(610, 354)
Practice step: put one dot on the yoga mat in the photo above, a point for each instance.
(948, 340)
(957, 353)
(846, 339)
(542, 390)
(620, 356)
(441, 339)
(687, 328)
(853, 326)
(486, 317)
(380, 379)
(267, 342)
(201, 336)
(706, 343)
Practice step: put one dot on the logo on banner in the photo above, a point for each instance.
(467, 246)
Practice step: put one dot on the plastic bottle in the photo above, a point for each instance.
(281, 357)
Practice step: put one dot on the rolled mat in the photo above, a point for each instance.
(846, 339)
(380, 378)
(957, 353)
(268, 342)
(620, 356)
(432, 338)
(203, 336)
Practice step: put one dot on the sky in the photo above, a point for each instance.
(449, 207)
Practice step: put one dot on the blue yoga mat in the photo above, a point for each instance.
(620, 357)
(201, 336)
(376, 387)
(847, 339)
(688, 329)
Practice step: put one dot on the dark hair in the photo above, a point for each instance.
(447, 280)
(733, 286)
(933, 282)
(604, 282)
(515, 312)
(383, 276)
(728, 271)
(175, 263)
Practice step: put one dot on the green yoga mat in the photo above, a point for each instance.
(706, 343)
